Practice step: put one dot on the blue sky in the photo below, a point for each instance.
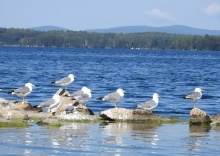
(94, 14)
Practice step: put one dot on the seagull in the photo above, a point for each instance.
(150, 104)
(64, 82)
(195, 95)
(51, 103)
(82, 96)
(23, 91)
(113, 97)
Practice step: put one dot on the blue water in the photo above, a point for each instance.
(172, 74)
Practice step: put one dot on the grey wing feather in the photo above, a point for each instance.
(23, 90)
(76, 94)
(64, 80)
(47, 103)
(113, 97)
(148, 104)
(84, 97)
(194, 95)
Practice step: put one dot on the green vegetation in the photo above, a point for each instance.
(13, 124)
(82, 39)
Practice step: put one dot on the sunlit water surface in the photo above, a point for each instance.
(171, 74)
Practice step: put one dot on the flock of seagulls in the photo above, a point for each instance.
(84, 95)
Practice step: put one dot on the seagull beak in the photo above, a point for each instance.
(33, 86)
(91, 91)
(202, 90)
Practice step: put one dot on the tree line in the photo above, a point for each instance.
(83, 39)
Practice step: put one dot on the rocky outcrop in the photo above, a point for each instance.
(198, 117)
(9, 110)
(131, 115)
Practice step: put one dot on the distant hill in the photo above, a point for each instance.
(48, 28)
(175, 29)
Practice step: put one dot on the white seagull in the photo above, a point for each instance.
(23, 91)
(151, 104)
(64, 82)
(51, 103)
(113, 97)
(195, 95)
(82, 96)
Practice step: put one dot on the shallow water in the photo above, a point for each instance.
(171, 74)
(111, 139)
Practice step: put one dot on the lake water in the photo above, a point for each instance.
(172, 74)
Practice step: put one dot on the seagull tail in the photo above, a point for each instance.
(53, 82)
(185, 97)
(10, 91)
(101, 98)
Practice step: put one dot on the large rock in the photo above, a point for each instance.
(198, 117)
(9, 110)
(131, 115)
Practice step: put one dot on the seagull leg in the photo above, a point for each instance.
(116, 105)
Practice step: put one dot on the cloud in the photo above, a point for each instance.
(212, 9)
(156, 13)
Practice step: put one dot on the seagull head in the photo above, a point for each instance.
(120, 91)
(198, 90)
(86, 90)
(156, 96)
(29, 85)
(71, 76)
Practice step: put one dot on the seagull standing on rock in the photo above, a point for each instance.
(64, 82)
(82, 96)
(23, 91)
(151, 104)
(51, 103)
(194, 96)
(114, 97)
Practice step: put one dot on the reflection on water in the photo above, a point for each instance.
(197, 135)
(111, 139)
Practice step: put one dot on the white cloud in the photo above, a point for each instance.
(156, 13)
(212, 9)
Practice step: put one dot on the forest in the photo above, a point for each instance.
(83, 39)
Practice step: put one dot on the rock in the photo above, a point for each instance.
(9, 110)
(216, 119)
(198, 117)
(76, 116)
(24, 106)
(130, 115)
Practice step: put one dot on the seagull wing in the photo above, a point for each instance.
(47, 103)
(194, 96)
(148, 105)
(22, 90)
(113, 97)
(64, 80)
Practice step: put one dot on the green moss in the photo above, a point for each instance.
(36, 118)
(41, 123)
(13, 124)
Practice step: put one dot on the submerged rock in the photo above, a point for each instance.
(216, 119)
(131, 115)
(198, 117)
